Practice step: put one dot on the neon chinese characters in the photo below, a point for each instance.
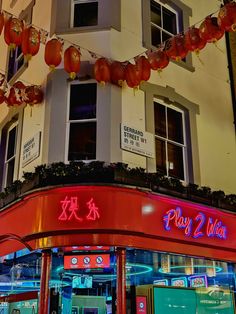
(70, 210)
(197, 226)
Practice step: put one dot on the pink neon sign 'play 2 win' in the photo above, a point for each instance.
(197, 226)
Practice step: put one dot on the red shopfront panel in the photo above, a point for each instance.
(141, 305)
(87, 261)
(124, 216)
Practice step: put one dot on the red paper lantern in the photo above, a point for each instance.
(13, 32)
(2, 22)
(227, 17)
(52, 53)
(209, 30)
(33, 95)
(175, 47)
(158, 59)
(102, 71)
(30, 42)
(15, 97)
(132, 75)
(144, 67)
(2, 96)
(193, 41)
(72, 61)
(117, 70)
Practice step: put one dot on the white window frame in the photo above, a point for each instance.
(25, 15)
(6, 161)
(166, 140)
(17, 69)
(68, 121)
(169, 8)
(73, 3)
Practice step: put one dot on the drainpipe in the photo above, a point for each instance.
(231, 75)
(231, 68)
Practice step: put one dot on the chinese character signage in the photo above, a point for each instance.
(87, 261)
(141, 304)
(137, 141)
(70, 210)
(106, 215)
(31, 149)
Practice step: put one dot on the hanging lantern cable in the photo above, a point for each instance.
(95, 55)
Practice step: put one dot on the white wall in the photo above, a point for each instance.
(208, 87)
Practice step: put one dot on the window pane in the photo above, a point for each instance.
(15, 62)
(165, 36)
(20, 62)
(11, 65)
(160, 155)
(156, 36)
(175, 161)
(169, 21)
(175, 125)
(155, 13)
(85, 14)
(160, 120)
(82, 141)
(83, 98)
(10, 172)
(19, 51)
(11, 143)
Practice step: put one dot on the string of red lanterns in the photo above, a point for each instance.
(20, 94)
(105, 71)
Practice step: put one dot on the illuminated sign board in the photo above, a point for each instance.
(141, 304)
(114, 215)
(179, 282)
(87, 261)
(198, 281)
(197, 226)
(161, 282)
(70, 210)
(215, 300)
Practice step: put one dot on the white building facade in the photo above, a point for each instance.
(179, 123)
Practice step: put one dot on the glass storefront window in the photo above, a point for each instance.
(180, 284)
(84, 280)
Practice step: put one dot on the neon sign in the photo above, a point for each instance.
(196, 227)
(70, 210)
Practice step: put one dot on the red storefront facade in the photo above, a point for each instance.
(114, 216)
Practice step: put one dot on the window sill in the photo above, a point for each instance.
(84, 29)
(185, 65)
